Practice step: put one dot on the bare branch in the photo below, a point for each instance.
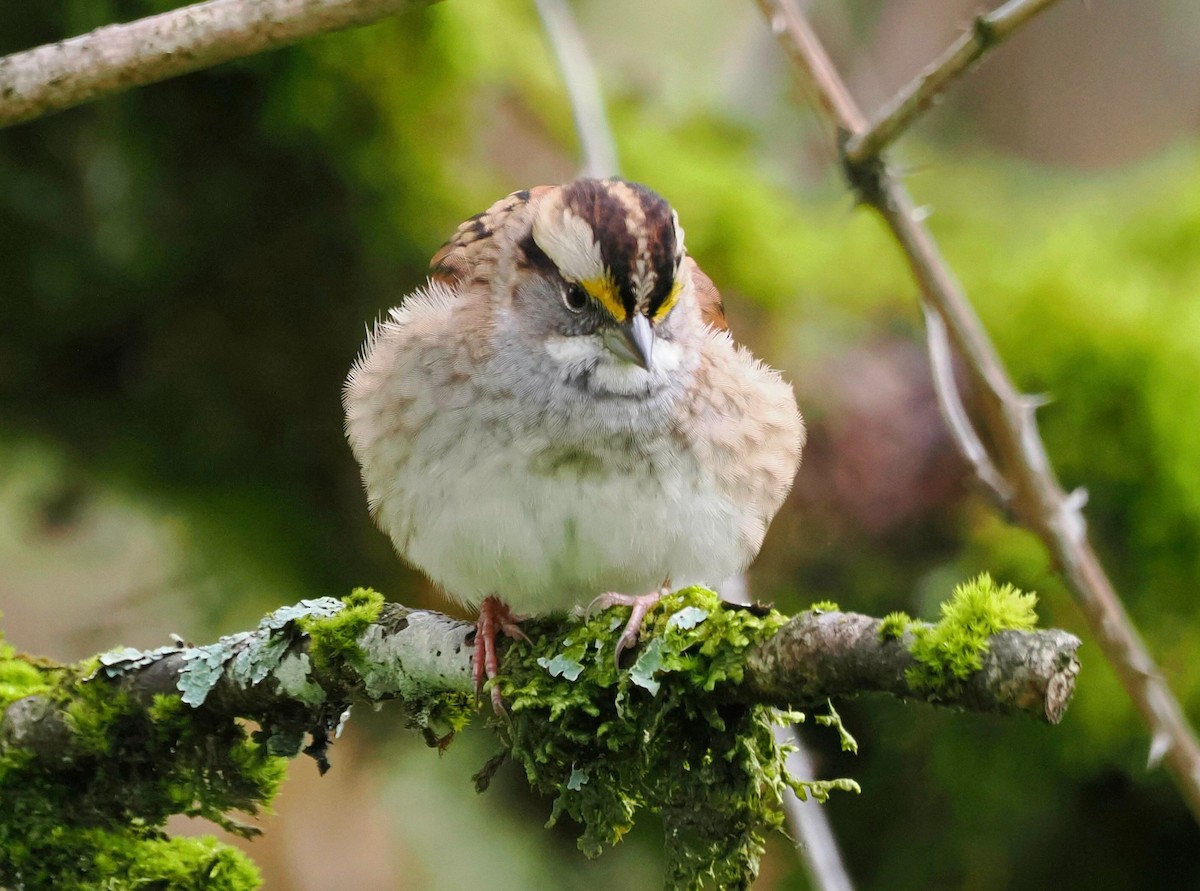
(116, 57)
(587, 103)
(818, 655)
(1038, 500)
(800, 44)
(987, 32)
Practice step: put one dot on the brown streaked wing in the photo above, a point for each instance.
(460, 258)
(712, 310)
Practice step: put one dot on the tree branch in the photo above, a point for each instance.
(1037, 500)
(987, 32)
(116, 57)
(274, 675)
(269, 675)
(819, 655)
(122, 741)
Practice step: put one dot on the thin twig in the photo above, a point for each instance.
(116, 57)
(1038, 501)
(596, 141)
(987, 32)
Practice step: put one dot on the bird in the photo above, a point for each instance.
(559, 416)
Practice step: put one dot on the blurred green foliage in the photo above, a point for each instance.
(185, 272)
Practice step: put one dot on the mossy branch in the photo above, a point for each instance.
(95, 756)
(820, 655)
(284, 676)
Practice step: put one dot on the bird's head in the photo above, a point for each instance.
(614, 253)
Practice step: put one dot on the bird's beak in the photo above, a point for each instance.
(634, 341)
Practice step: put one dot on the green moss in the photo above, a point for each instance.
(334, 639)
(952, 650)
(136, 859)
(21, 676)
(825, 606)
(18, 678)
(79, 822)
(834, 720)
(893, 625)
(660, 736)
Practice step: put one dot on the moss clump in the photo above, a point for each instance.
(91, 817)
(21, 676)
(951, 651)
(334, 639)
(825, 606)
(893, 625)
(660, 735)
(140, 858)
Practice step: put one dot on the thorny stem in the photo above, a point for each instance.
(987, 32)
(1037, 500)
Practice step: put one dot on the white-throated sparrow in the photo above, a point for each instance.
(560, 412)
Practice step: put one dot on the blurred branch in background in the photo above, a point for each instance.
(596, 141)
(1037, 500)
(815, 840)
(941, 366)
(117, 57)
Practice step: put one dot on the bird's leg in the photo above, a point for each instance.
(640, 606)
(485, 665)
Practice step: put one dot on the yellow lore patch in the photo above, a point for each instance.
(665, 306)
(604, 290)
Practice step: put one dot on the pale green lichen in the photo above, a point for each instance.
(664, 736)
(562, 666)
(950, 651)
(247, 658)
(396, 670)
(293, 677)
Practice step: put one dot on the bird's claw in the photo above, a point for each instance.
(494, 615)
(639, 606)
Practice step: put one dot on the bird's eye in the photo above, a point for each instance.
(575, 298)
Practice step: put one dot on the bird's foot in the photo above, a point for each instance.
(485, 665)
(639, 605)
